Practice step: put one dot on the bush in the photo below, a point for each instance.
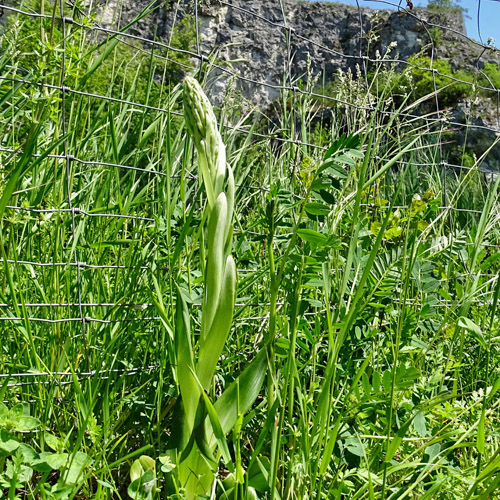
(443, 76)
(445, 6)
(436, 35)
(492, 73)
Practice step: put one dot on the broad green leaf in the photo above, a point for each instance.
(327, 197)
(195, 484)
(189, 389)
(77, 464)
(247, 386)
(335, 146)
(375, 227)
(166, 463)
(320, 183)
(354, 446)
(8, 443)
(433, 451)
(345, 159)
(26, 424)
(282, 346)
(211, 347)
(366, 475)
(356, 154)
(29, 454)
(147, 462)
(428, 284)
(20, 410)
(53, 460)
(142, 488)
(52, 441)
(215, 263)
(387, 381)
(335, 170)
(140, 466)
(202, 434)
(474, 329)
(343, 142)
(419, 424)
(469, 325)
(312, 236)
(419, 343)
(317, 208)
(218, 432)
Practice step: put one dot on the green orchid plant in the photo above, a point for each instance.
(198, 436)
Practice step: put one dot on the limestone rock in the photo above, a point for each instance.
(268, 47)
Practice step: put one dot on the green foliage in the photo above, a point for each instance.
(20, 463)
(420, 79)
(128, 61)
(142, 479)
(446, 6)
(492, 80)
(436, 35)
(116, 66)
(468, 159)
(202, 425)
(421, 211)
(426, 82)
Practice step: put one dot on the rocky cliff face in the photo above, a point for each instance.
(332, 36)
(268, 46)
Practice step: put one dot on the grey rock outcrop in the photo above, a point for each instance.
(266, 46)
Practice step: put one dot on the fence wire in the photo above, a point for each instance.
(104, 311)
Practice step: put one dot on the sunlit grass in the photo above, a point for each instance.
(367, 294)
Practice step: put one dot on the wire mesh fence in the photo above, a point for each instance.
(97, 284)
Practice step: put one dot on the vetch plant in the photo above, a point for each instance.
(200, 425)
